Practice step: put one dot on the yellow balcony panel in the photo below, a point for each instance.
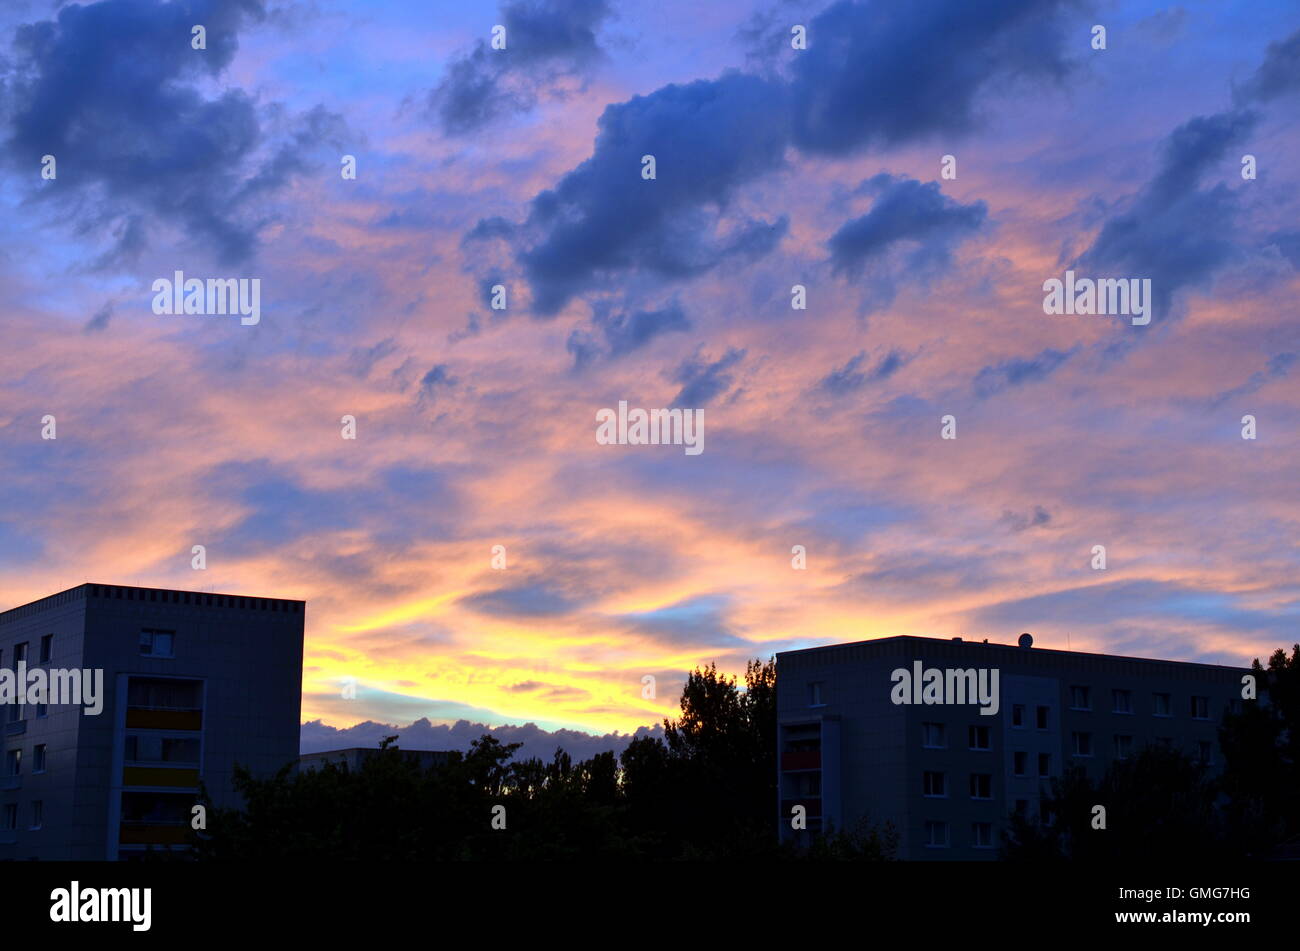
(159, 776)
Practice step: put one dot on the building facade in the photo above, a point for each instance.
(193, 683)
(948, 775)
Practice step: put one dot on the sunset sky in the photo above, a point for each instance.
(774, 167)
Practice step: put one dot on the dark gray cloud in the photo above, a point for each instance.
(438, 377)
(363, 359)
(905, 211)
(624, 331)
(1278, 75)
(1174, 231)
(703, 380)
(1019, 522)
(1278, 368)
(545, 40)
(317, 737)
(852, 376)
(701, 620)
(99, 321)
(882, 74)
(908, 236)
(1017, 371)
(874, 75)
(112, 90)
(708, 137)
(527, 600)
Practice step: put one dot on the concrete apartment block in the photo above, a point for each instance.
(193, 683)
(948, 776)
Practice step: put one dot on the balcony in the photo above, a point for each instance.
(153, 833)
(161, 718)
(808, 759)
(160, 776)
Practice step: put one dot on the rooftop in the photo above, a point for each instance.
(207, 599)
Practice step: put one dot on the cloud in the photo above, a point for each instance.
(1017, 522)
(546, 40)
(317, 737)
(908, 235)
(696, 621)
(1017, 371)
(850, 377)
(99, 322)
(527, 600)
(602, 219)
(112, 90)
(439, 376)
(1278, 368)
(1175, 232)
(880, 75)
(1277, 76)
(703, 380)
(624, 332)
(363, 359)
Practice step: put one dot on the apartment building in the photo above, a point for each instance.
(949, 775)
(193, 683)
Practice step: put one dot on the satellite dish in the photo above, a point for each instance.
(1026, 640)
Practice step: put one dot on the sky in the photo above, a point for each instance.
(919, 169)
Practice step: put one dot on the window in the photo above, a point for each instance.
(14, 763)
(1022, 807)
(1160, 704)
(155, 643)
(981, 835)
(20, 653)
(981, 785)
(1022, 763)
(11, 817)
(979, 738)
(1205, 752)
(164, 694)
(932, 736)
(1082, 744)
(1042, 717)
(1079, 699)
(1123, 701)
(38, 758)
(1123, 746)
(47, 648)
(1044, 764)
(151, 748)
(1234, 706)
(933, 783)
(936, 835)
(1200, 708)
(42, 711)
(38, 813)
(1018, 715)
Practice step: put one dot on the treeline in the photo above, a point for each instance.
(1161, 804)
(708, 791)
